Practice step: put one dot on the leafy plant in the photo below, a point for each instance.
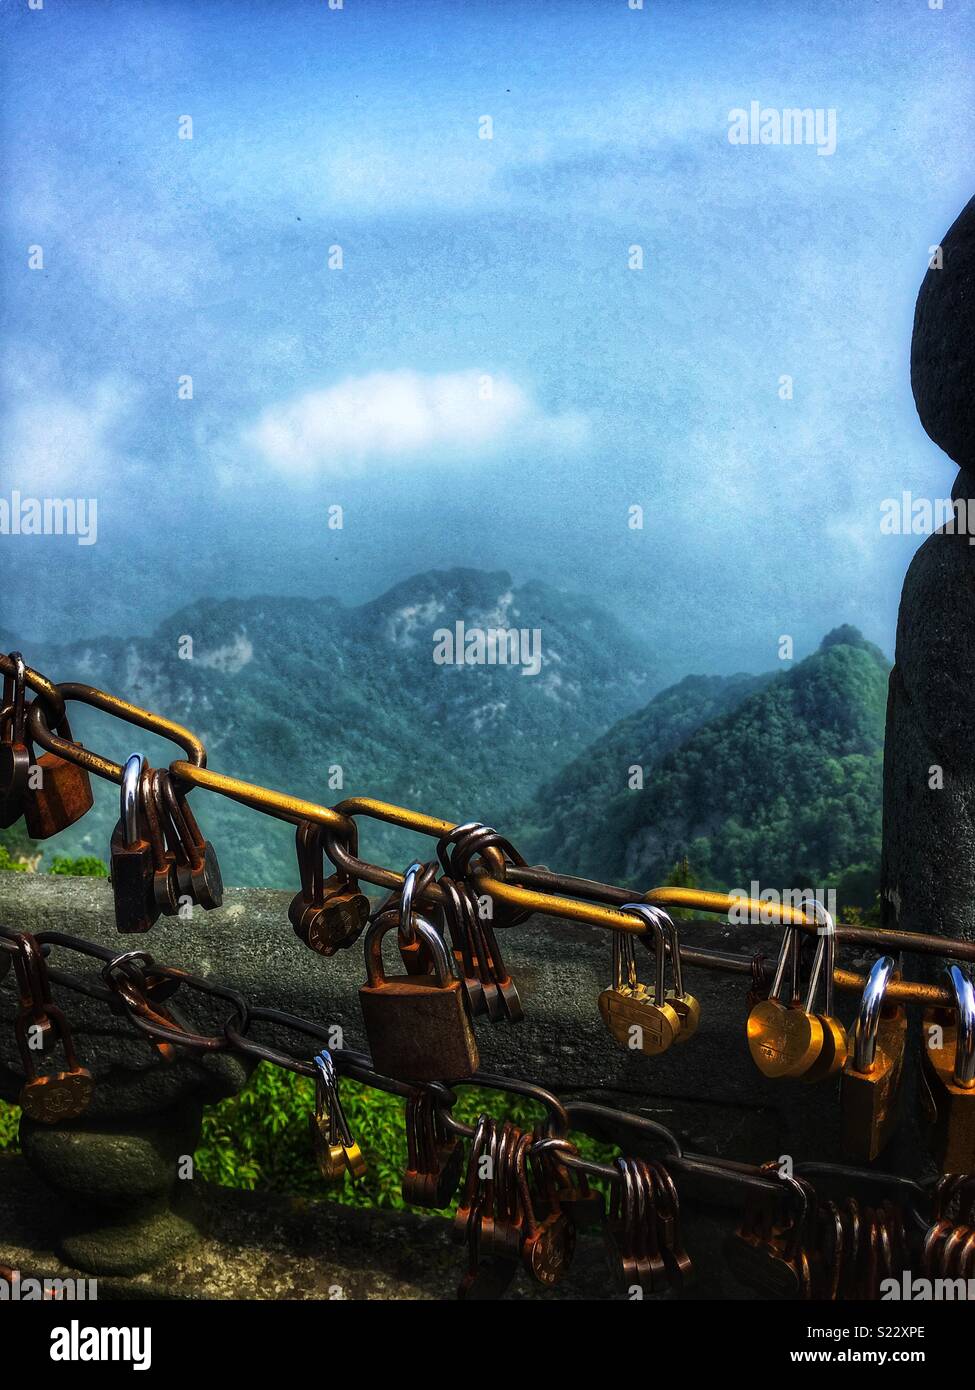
(260, 1138)
(87, 866)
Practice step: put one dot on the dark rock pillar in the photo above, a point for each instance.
(928, 881)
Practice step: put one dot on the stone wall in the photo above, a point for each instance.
(145, 1110)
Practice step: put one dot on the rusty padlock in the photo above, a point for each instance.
(62, 794)
(15, 753)
(417, 1025)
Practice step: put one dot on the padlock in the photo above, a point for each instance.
(508, 1224)
(685, 1006)
(549, 1239)
(768, 1250)
(632, 1234)
(783, 1039)
(488, 1275)
(165, 888)
(344, 914)
(34, 991)
(197, 870)
(15, 752)
(677, 1262)
(833, 1052)
(871, 1076)
(132, 868)
(949, 1075)
(435, 1160)
(336, 1152)
(454, 917)
(584, 1204)
(417, 1025)
(474, 954)
(327, 913)
(63, 792)
(62, 1095)
(638, 1018)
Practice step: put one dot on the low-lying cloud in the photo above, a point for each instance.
(402, 416)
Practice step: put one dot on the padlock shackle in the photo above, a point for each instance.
(407, 897)
(867, 1023)
(787, 951)
(652, 916)
(432, 939)
(825, 954)
(964, 1073)
(129, 798)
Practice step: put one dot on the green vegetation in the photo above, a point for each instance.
(783, 788)
(324, 699)
(260, 1139)
(87, 866)
(7, 861)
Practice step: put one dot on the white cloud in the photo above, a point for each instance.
(53, 440)
(402, 416)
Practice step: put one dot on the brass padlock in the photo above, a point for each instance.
(417, 1025)
(783, 1039)
(833, 1051)
(638, 1018)
(871, 1076)
(62, 795)
(948, 1072)
(336, 1152)
(132, 868)
(684, 1005)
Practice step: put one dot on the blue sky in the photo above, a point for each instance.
(468, 260)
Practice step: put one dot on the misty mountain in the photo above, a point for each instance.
(295, 693)
(776, 778)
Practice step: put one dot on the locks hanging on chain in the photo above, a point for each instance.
(435, 1158)
(328, 914)
(418, 1026)
(488, 986)
(15, 753)
(685, 1006)
(198, 874)
(59, 793)
(638, 1018)
(784, 1039)
(336, 1151)
(793, 1040)
(476, 1220)
(548, 1237)
(643, 1239)
(165, 886)
(833, 1052)
(870, 1083)
(769, 1250)
(948, 1077)
(133, 867)
(38, 1027)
